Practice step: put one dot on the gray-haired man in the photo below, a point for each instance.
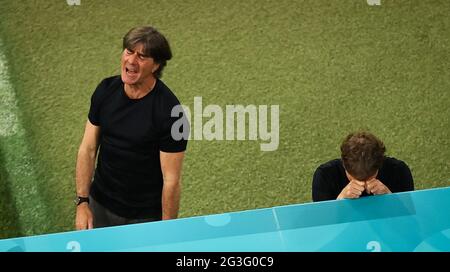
(138, 172)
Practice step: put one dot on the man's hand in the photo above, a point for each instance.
(84, 218)
(354, 189)
(376, 187)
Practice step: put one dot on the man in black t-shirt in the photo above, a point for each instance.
(362, 170)
(138, 172)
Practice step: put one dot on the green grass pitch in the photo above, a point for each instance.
(331, 66)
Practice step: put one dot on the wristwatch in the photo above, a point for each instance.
(81, 199)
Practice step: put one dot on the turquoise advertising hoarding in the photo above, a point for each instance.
(402, 222)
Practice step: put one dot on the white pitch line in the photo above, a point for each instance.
(8, 106)
(18, 161)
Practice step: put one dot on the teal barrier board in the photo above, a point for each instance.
(402, 222)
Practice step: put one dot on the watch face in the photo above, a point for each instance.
(80, 200)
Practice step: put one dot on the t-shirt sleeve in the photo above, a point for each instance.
(94, 110)
(321, 189)
(175, 130)
(404, 180)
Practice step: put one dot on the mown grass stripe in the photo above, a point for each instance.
(18, 174)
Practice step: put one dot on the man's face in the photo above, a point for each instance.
(136, 67)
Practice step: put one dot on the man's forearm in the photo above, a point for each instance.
(171, 164)
(171, 200)
(84, 171)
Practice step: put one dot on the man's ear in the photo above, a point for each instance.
(155, 68)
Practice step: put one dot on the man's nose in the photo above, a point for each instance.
(132, 58)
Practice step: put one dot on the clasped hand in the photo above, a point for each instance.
(355, 188)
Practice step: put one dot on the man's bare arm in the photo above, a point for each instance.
(171, 165)
(87, 154)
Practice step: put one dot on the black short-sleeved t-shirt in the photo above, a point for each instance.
(128, 178)
(330, 179)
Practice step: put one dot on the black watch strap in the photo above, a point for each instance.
(81, 199)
